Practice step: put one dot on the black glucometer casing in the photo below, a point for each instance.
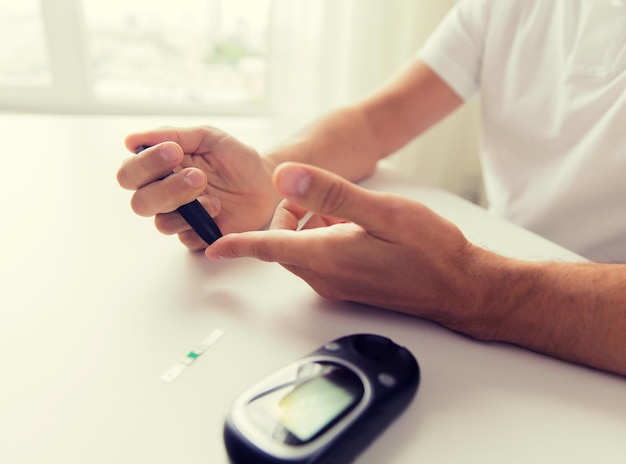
(324, 408)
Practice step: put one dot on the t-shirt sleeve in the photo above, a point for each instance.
(455, 49)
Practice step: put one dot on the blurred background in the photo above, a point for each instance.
(284, 60)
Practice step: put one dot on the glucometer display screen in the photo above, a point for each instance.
(311, 406)
(297, 411)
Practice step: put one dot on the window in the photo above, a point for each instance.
(23, 62)
(134, 55)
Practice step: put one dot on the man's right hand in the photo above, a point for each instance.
(230, 179)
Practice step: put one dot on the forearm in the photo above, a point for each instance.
(350, 141)
(573, 311)
(342, 142)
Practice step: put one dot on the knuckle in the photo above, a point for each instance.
(262, 251)
(396, 212)
(335, 198)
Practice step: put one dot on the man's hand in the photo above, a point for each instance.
(364, 246)
(228, 178)
(394, 253)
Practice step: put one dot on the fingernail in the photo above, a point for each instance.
(194, 179)
(295, 181)
(169, 154)
(209, 253)
(217, 204)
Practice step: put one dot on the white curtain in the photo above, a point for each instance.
(328, 53)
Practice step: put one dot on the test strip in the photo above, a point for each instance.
(177, 369)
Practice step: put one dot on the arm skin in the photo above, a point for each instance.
(233, 182)
(575, 312)
(350, 141)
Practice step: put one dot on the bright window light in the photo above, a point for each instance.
(198, 56)
(23, 54)
(190, 52)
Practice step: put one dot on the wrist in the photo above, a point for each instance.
(495, 289)
(270, 162)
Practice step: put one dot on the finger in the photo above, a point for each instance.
(281, 246)
(170, 223)
(288, 215)
(170, 193)
(191, 139)
(330, 195)
(149, 165)
(270, 245)
(173, 223)
(192, 240)
(291, 216)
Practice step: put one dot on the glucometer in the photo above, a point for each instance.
(196, 216)
(325, 407)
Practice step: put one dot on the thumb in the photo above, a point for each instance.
(328, 194)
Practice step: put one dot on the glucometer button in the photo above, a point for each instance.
(375, 348)
(386, 380)
(332, 347)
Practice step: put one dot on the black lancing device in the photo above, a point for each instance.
(195, 215)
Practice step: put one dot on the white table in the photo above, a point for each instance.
(96, 305)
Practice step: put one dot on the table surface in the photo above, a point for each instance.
(96, 306)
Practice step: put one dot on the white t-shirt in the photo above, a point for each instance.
(551, 75)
